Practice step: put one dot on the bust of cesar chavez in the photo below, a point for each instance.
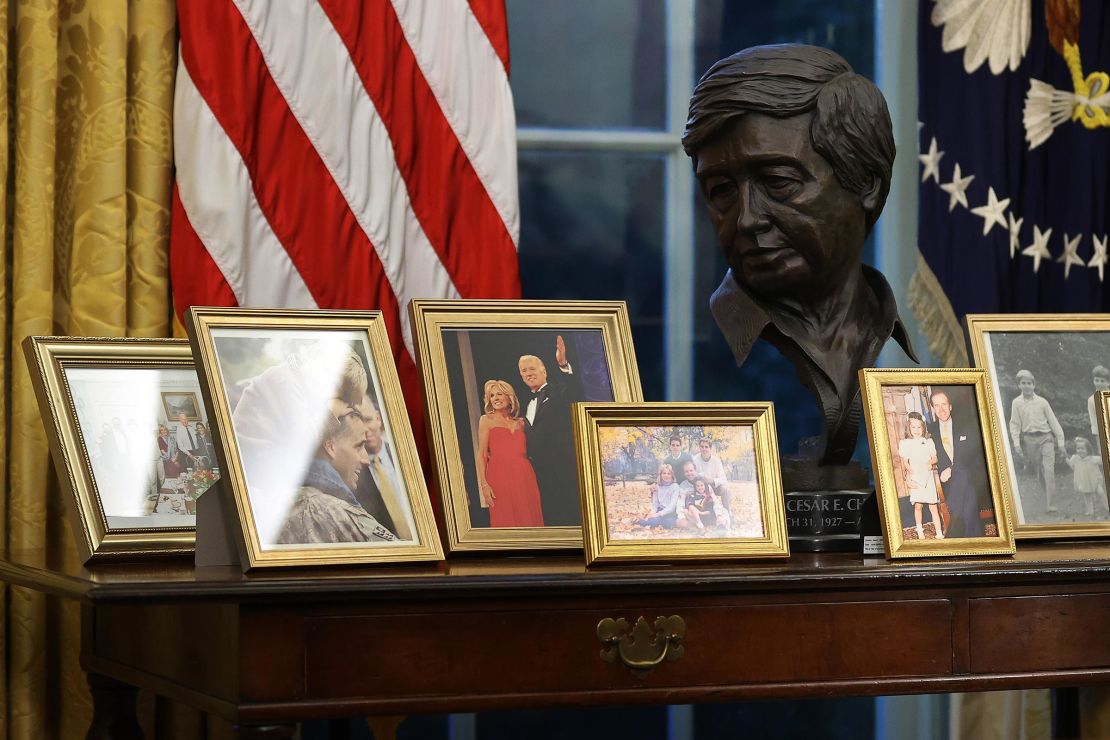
(793, 154)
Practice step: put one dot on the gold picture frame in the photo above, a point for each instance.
(1061, 352)
(1103, 405)
(955, 463)
(100, 401)
(721, 511)
(297, 396)
(460, 346)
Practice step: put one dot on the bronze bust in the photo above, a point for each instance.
(793, 153)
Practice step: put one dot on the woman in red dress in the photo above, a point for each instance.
(506, 480)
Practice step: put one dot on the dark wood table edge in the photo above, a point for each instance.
(44, 580)
(632, 695)
(739, 578)
(902, 686)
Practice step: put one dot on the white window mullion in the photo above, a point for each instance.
(678, 192)
(616, 140)
(679, 248)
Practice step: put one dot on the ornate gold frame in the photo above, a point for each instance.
(200, 322)
(978, 327)
(871, 383)
(429, 319)
(47, 360)
(1102, 410)
(760, 416)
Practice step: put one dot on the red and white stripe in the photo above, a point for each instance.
(339, 154)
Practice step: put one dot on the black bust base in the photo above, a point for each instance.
(825, 505)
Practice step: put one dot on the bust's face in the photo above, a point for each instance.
(787, 227)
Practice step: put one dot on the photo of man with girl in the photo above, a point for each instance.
(939, 461)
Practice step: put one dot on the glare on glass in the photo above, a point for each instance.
(300, 427)
(149, 464)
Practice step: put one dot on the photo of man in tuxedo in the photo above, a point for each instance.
(549, 434)
(961, 462)
(549, 369)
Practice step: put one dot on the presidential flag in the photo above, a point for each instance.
(1014, 124)
(335, 154)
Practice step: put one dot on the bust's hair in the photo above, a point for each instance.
(1025, 375)
(1100, 371)
(851, 125)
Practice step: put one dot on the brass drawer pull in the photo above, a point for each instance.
(644, 646)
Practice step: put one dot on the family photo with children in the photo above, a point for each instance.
(680, 482)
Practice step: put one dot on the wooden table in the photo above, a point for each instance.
(271, 649)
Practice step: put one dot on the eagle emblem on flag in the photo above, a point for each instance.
(998, 32)
(1014, 199)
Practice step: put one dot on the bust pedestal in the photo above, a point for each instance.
(825, 504)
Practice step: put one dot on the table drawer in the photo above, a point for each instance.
(492, 652)
(1039, 633)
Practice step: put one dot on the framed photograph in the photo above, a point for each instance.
(319, 453)
(1044, 372)
(937, 461)
(130, 470)
(177, 405)
(500, 380)
(680, 481)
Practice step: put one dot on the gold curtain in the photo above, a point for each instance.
(87, 158)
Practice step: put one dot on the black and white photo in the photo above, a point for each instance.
(1045, 376)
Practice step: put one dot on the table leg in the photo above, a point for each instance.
(266, 732)
(384, 728)
(113, 710)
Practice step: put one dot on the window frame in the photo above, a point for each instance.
(678, 191)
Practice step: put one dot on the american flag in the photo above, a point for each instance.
(338, 154)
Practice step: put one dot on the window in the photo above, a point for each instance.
(609, 205)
